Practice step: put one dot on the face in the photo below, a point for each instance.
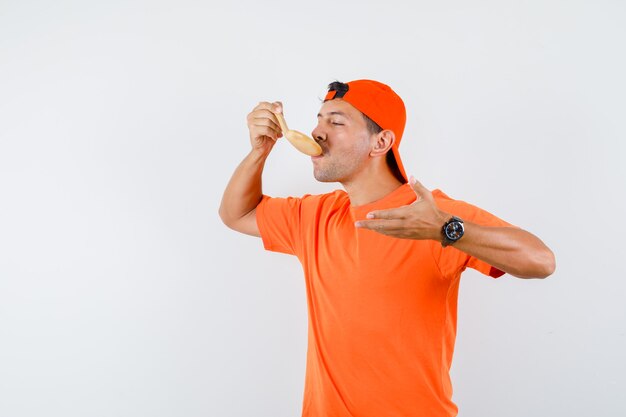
(346, 143)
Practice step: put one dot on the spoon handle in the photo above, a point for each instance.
(282, 122)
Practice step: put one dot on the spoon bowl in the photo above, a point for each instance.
(299, 140)
(303, 143)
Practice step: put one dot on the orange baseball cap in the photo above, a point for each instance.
(381, 104)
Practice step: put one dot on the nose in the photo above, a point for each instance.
(318, 134)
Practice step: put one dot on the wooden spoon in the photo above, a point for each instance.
(300, 141)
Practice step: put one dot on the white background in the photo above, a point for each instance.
(122, 294)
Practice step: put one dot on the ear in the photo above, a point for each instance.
(383, 143)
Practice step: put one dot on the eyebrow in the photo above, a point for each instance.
(338, 113)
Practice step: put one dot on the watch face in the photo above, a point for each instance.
(454, 230)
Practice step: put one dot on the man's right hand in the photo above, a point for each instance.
(244, 190)
(264, 127)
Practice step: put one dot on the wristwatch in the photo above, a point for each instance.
(452, 231)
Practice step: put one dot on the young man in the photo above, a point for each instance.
(382, 259)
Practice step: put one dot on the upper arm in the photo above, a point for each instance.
(452, 260)
(275, 220)
(246, 224)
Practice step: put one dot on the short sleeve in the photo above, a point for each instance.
(279, 221)
(452, 261)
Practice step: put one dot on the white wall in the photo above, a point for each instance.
(122, 294)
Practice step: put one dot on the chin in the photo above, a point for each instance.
(319, 176)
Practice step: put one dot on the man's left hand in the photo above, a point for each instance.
(419, 220)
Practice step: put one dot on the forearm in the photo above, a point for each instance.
(244, 190)
(512, 250)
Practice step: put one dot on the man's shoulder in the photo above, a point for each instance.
(336, 198)
(438, 194)
(466, 210)
(445, 202)
(333, 198)
(336, 195)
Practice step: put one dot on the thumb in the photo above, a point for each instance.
(278, 107)
(421, 191)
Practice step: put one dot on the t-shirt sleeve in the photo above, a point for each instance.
(278, 220)
(452, 261)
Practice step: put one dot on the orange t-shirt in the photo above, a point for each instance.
(381, 310)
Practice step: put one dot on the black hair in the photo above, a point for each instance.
(340, 88)
(372, 127)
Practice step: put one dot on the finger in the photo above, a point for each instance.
(264, 117)
(264, 121)
(275, 107)
(390, 214)
(420, 190)
(382, 226)
(266, 105)
(266, 131)
(267, 113)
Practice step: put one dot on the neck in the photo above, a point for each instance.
(370, 186)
